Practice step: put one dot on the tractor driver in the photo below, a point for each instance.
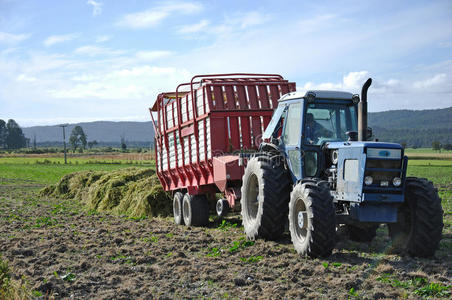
(315, 131)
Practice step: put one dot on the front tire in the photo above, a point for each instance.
(420, 220)
(312, 219)
(265, 197)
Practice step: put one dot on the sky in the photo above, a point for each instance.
(86, 60)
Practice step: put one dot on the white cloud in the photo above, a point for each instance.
(152, 55)
(55, 39)
(97, 7)
(84, 77)
(193, 28)
(143, 19)
(393, 93)
(26, 78)
(103, 38)
(253, 18)
(430, 82)
(140, 82)
(91, 50)
(9, 38)
(231, 25)
(153, 17)
(352, 81)
(317, 23)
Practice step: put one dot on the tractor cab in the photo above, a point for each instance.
(304, 123)
(317, 131)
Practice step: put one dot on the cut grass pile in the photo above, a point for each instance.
(134, 192)
(10, 288)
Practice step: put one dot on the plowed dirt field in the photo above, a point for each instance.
(64, 251)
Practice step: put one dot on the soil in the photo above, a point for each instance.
(64, 251)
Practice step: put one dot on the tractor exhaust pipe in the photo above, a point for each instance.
(362, 112)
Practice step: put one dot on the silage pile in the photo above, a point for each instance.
(133, 192)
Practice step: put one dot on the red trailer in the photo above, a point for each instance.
(200, 130)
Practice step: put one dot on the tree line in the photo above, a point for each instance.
(11, 135)
(414, 138)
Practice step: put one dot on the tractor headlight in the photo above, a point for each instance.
(368, 180)
(334, 156)
(397, 181)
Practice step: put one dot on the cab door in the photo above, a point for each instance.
(291, 139)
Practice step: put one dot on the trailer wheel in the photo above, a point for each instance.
(364, 234)
(265, 197)
(195, 210)
(312, 219)
(420, 220)
(177, 208)
(222, 207)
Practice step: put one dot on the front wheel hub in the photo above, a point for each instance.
(300, 219)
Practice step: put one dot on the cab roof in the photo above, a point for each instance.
(320, 94)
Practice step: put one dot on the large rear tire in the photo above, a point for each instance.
(177, 208)
(195, 210)
(265, 197)
(312, 219)
(420, 220)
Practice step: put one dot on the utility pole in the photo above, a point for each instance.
(64, 142)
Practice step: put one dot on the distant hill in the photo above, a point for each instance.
(417, 128)
(101, 131)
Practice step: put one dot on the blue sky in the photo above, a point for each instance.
(73, 61)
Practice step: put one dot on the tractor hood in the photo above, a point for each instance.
(364, 144)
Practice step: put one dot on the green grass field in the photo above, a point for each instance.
(49, 170)
(428, 154)
(71, 160)
(425, 150)
(440, 173)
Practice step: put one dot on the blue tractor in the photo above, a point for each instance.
(317, 165)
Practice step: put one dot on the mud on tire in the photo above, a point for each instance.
(312, 219)
(420, 220)
(265, 197)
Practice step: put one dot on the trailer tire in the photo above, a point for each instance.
(312, 219)
(177, 208)
(265, 197)
(195, 210)
(222, 207)
(363, 234)
(420, 220)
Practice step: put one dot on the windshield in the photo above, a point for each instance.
(327, 122)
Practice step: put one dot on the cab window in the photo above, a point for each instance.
(292, 129)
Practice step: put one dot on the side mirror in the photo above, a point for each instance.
(369, 133)
(352, 136)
